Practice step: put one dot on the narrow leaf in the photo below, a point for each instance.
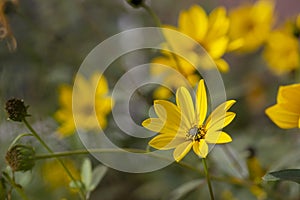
(98, 174)
(284, 175)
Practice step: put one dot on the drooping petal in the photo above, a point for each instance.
(219, 112)
(203, 148)
(201, 100)
(181, 150)
(222, 65)
(186, 106)
(217, 137)
(196, 148)
(165, 142)
(219, 123)
(283, 118)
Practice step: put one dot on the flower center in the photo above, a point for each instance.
(196, 133)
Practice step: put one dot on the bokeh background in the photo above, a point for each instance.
(53, 38)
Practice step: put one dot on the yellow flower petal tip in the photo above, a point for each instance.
(286, 112)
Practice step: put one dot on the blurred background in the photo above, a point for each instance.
(53, 38)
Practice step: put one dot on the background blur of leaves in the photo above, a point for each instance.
(53, 39)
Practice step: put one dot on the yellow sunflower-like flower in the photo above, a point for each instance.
(210, 31)
(251, 24)
(184, 126)
(83, 112)
(283, 43)
(286, 113)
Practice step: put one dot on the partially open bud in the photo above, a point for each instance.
(16, 109)
(136, 3)
(20, 158)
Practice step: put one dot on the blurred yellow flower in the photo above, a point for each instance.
(210, 31)
(85, 119)
(251, 24)
(283, 43)
(286, 113)
(55, 176)
(182, 126)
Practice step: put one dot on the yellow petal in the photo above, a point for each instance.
(194, 22)
(217, 137)
(218, 23)
(201, 100)
(217, 47)
(203, 148)
(181, 150)
(170, 113)
(222, 65)
(218, 124)
(282, 118)
(219, 112)
(186, 106)
(159, 126)
(166, 142)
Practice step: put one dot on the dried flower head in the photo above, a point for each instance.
(20, 157)
(16, 109)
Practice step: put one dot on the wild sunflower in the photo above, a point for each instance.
(185, 126)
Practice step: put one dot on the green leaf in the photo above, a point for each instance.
(86, 173)
(98, 174)
(284, 175)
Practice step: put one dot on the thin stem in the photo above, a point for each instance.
(18, 138)
(34, 133)
(208, 179)
(235, 181)
(159, 24)
(153, 14)
(15, 186)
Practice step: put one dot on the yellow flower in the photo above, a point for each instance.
(55, 175)
(286, 113)
(251, 24)
(283, 43)
(183, 126)
(210, 31)
(83, 112)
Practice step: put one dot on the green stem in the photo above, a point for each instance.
(208, 179)
(159, 24)
(18, 138)
(15, 186)
(153, 15)
(34, 133)
(235, 181)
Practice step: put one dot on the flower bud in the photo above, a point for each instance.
(20, 158)
(136, 3)
(16, 109)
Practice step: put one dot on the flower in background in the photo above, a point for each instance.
(286, 113)
(55, 176)
(282, 52)
(251, 24)
(84, 111)
(183, 126)
(210, 31)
